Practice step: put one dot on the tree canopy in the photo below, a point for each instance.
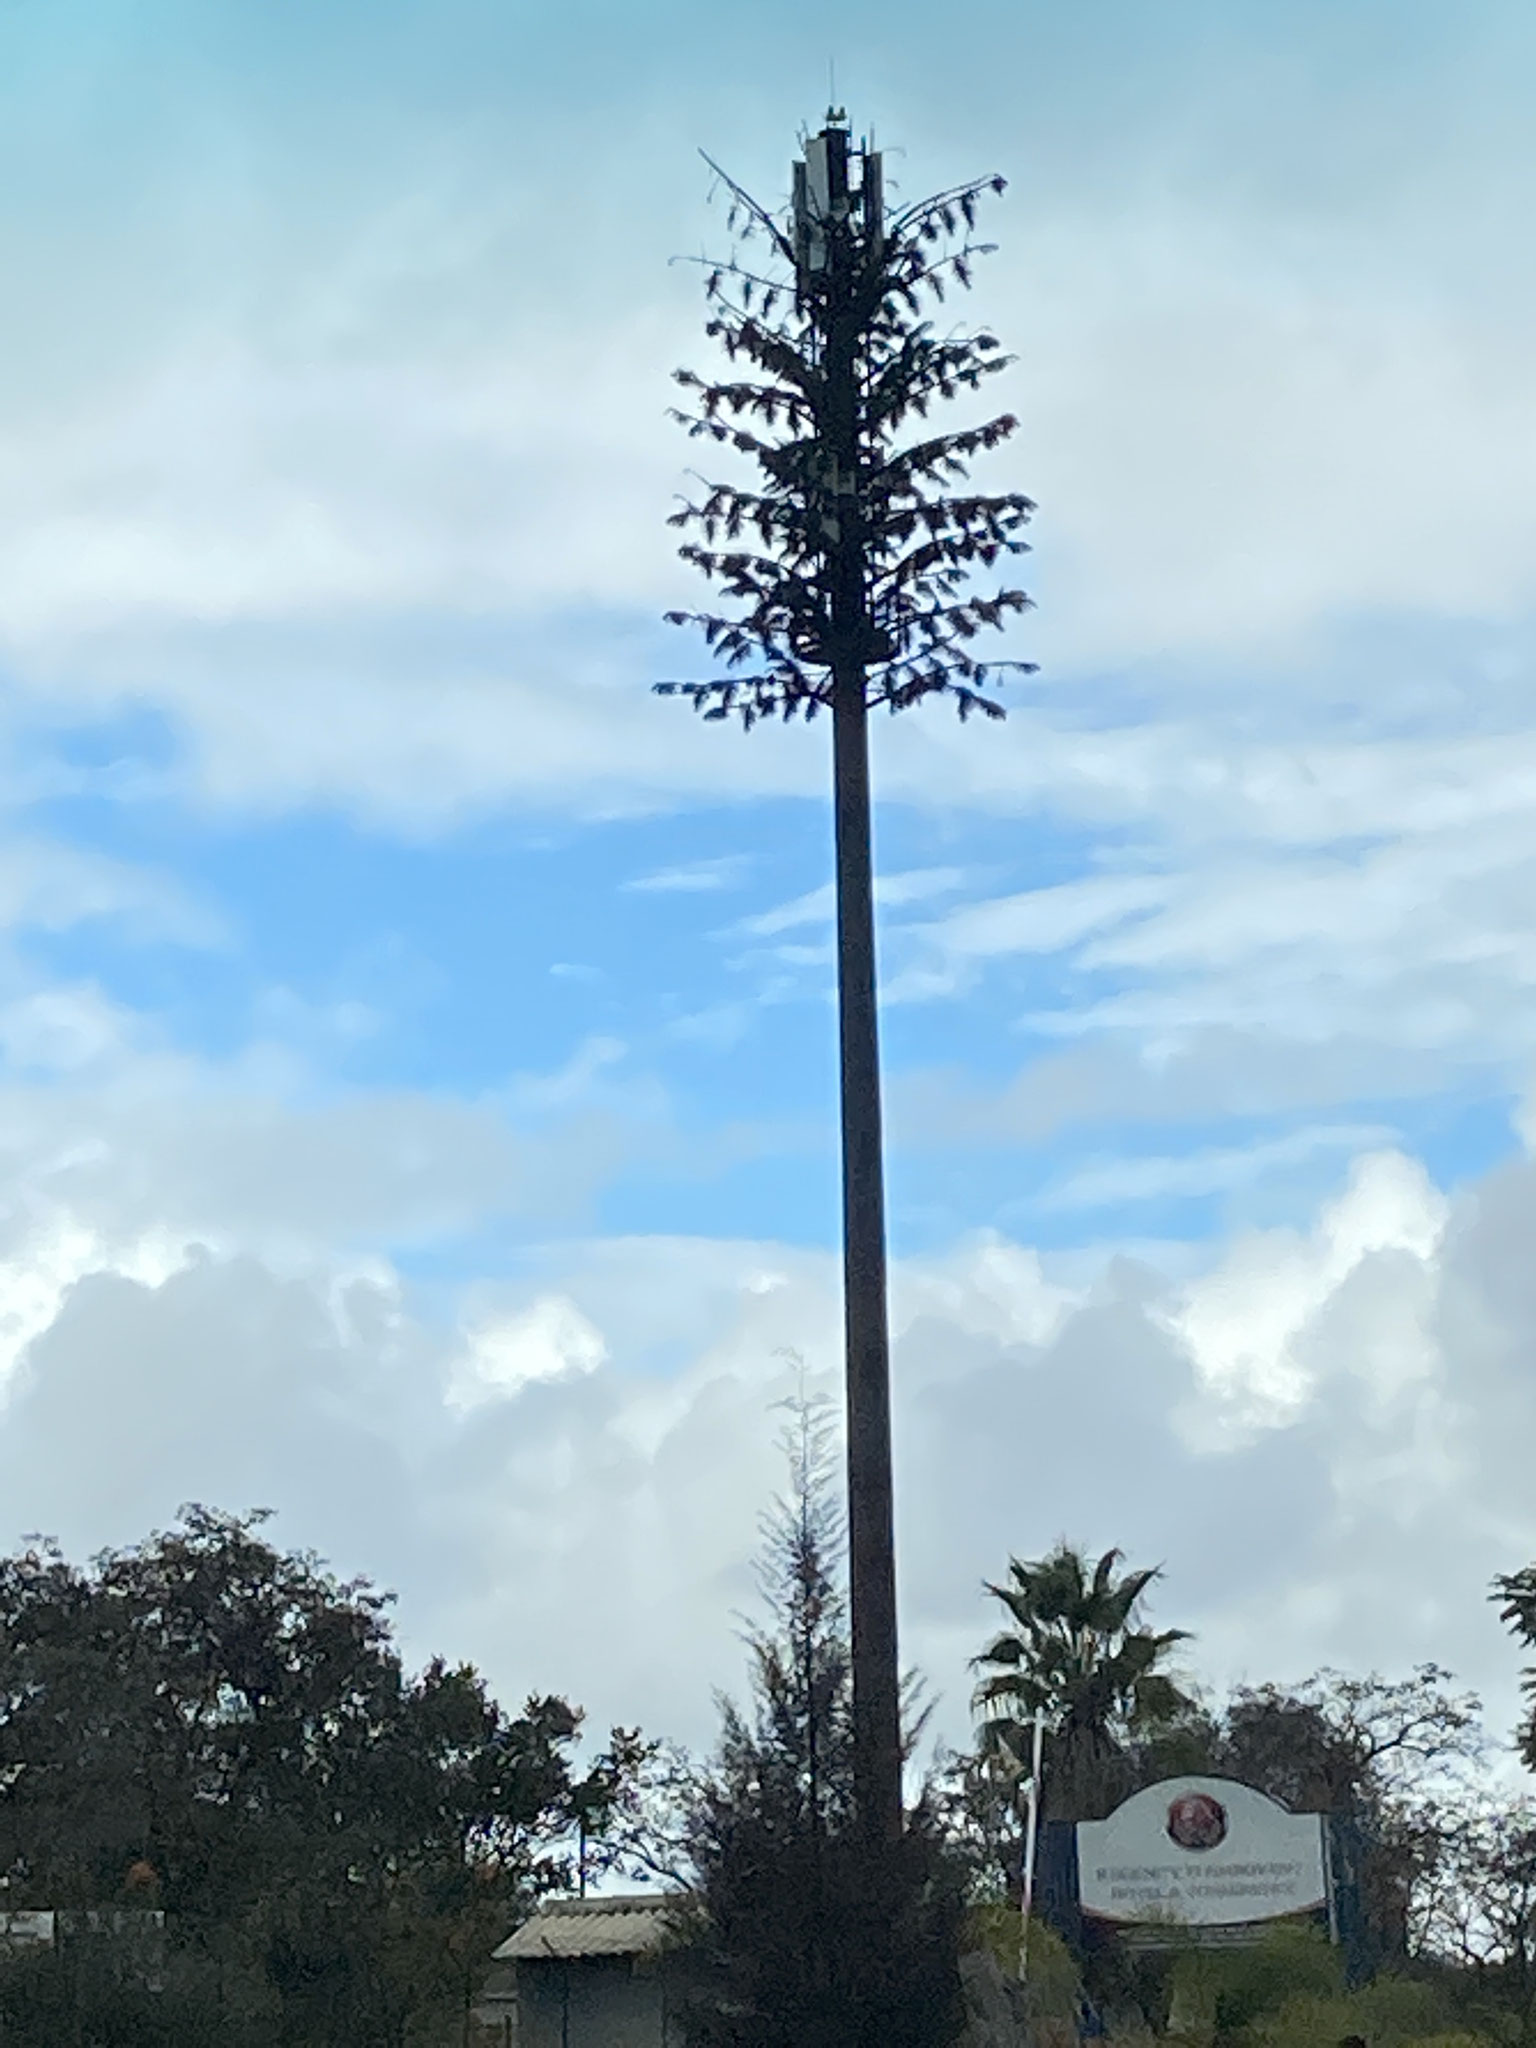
(206, 1725)
(1077, 1653)
(805, 1933)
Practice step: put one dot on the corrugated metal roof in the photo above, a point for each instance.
(625, 1925)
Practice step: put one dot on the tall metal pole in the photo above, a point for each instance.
(850, 560)
(871, 1530)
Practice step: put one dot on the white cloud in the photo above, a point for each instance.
(47, 1253)
(231, 484)
(401, 565)
(48, 886)
(1382, 906)
(246, 1156)
(1036, 921)
(985, 1288)
(231, 517)
(545, 1342)
(1209, 1171)
(64, 1030)
(1247, 1325)
(574, 1082)
(374, 518)
(693, 878)
(414, 724)
(1204, 1071)
(819, 906)
(1269, 486)
(1217, 433)
(1319, 1433)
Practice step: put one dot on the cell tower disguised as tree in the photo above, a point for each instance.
(852, 571)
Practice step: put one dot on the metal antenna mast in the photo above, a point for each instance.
(852, 564)
(837, 231)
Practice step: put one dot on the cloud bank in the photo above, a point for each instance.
(1320, 1432)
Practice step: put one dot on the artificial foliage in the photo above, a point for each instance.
(854, 565)
(856, 551)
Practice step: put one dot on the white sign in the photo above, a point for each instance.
(1201, 1852)
(26, 1930)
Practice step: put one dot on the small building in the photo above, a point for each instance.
(586, 1973)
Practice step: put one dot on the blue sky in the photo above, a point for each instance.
(423, 1033)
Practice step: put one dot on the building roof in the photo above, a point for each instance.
(625, 1925)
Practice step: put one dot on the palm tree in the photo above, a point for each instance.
(1076, 1654)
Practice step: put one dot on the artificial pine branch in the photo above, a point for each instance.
(919, 541)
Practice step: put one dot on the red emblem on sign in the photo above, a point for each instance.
(1197, 1821)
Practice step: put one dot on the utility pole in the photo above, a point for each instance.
(854, 566)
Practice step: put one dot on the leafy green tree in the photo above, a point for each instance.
(1337, 1737)
(1477, 1907)
(1515, 1593)
(1390, 1761)
(1076, 1651)
(803, 1932)
(206, 1725)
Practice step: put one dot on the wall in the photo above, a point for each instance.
(597, 2002)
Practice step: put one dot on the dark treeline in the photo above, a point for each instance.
(205, 1727)
(255, 1826)
(1436, 1865)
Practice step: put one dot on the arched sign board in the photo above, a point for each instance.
(1200, 1854)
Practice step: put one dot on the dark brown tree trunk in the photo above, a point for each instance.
(871, 1542)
